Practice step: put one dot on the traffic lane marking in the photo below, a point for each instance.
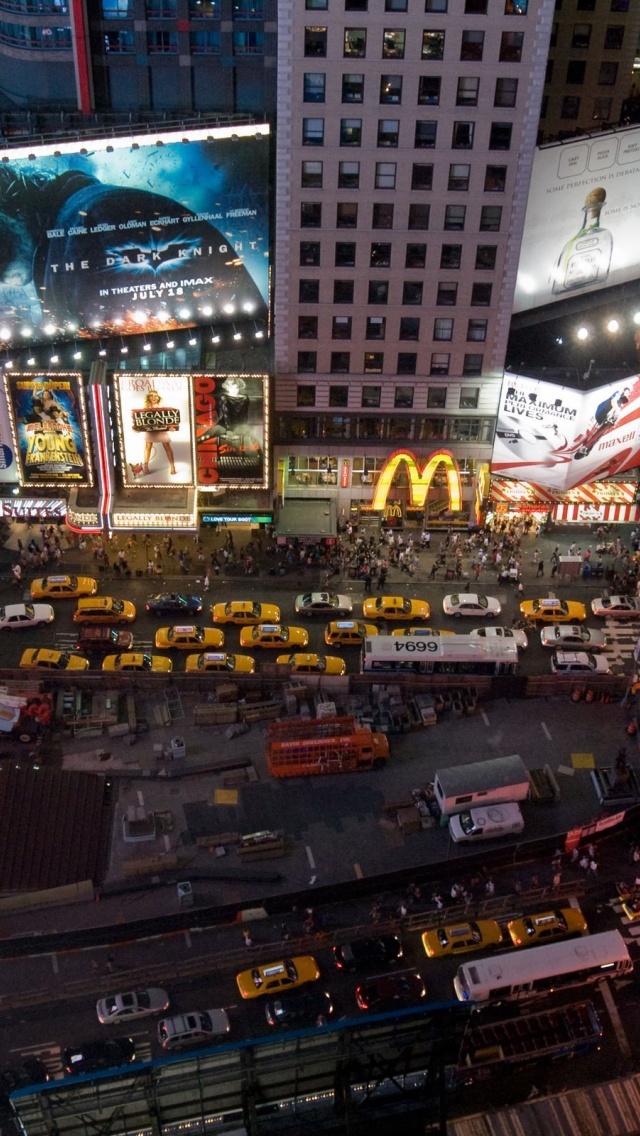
(545, 730)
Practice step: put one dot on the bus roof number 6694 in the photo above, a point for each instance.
(419, 645)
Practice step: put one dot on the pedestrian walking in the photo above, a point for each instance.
(556, 880)
(540, 571)
(367, 583)
(591, 851)
(206, 582)
(584, 862)
(16, 572)
(111, 964)
(575, 855)
(248, 941)
(593, 867)
(490, 888)
(437, 899)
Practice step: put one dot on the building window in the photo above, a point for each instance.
(490, 218)
(454, 216)
(350, 131)
(306, 396)
(339, 396)
(421, 176)
(495, 179)
(407, 363)
(352, 88)
(315, 42)
(373, 362)
(506, 93)
(385, 177)
(388, 132)
(340, 364)
(436, 398)
(162, 43)
(378, 292)
(608, 74)
(370, 397)
(403, 398)
(346, 215)
(459, 175)
(467, 92)
(412, 292)
(313, 87)
(415, 256)
(511, 47)
(395, 5)
(433, 45)
(469, 398)
(316, 5)
(519, 7)
(619, 5)
(473, 366)
(355, 43)
(311, 175)
(418, 217)
(382, 216)
(348, 175)
(307, 327)
(248, 43)
(120, 42)
(500, 136)
(341, 327)
(436, 5)
(409, 328)
(310, 253)
(313, 131)
(306, 363)
(481, 295)
(462, 138)
(450, 256)
(356, 5)
(544, 107)
(439, 363)
(121, 9)
(429, 90)
(601, 110)
(345, 255)
(393, 43)
(548, 74)
(475, 7)
(425, 135)
(472, 46)
(309, 291)
(486, 256)
(553, 41)
(310, 215)
(581, 36)
(376, 327)
(570, 107)
(477, 330)
(443, 329)
(575, 71)
(380, 256)
(586, 6)
(447, 295)
(247, 9)
(343, 291)
(205, 43)
(390, 89)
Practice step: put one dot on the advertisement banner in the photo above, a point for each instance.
(156, 440)
(129, 235)
(560, 437)
(583, 213)
(8, 464)
(231, 427)
(49, 427)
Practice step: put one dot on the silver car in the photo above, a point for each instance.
(133, 1004)
(567, 636)
(193, 1028)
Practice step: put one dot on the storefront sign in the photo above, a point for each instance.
(419, 480)
(156, 441)
(345, 475)
(49, 427)
(83, 520)
(51, 508)
(236, 518)
(153, 520)
(231, 430)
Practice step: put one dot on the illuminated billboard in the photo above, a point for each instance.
(134, 235)
(231, 427)
(156, 439)
(49, 426)
(560, 437)
(583, 213)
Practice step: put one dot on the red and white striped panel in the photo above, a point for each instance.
(593, 514)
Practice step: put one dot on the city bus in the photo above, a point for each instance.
(445, 655)
(541, 970)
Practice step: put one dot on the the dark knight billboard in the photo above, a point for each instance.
(134, 235)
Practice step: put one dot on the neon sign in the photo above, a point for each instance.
(419, 480)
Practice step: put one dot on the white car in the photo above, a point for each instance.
(15, 616)
(572, 635)
(579, 662)
(513, 633)
(193, 1028)
(468, 603)
(133, 1004)
(616, 607)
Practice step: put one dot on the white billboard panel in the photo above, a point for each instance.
(559, 437)
(583, 218)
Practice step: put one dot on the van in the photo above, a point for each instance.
(579, 662)
(104, 640)
(491, 782)
(486, 823)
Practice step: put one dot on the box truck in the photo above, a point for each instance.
(491, 782)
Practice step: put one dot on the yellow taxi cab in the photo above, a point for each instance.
(63, 587)
(220, 661)
(273, 635)
(421, 632)
(348, 632)
(553, 611)
(459, 938)
(547, 926)
(245, 611)
(40, 659)
(273, 977)
(313, 664)
(395, 607)
(188, 637)
(137, 661)
(104, 609)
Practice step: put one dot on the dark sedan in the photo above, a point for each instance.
(174, 603)
(92, 1056)
(365, 953)
(310, 1007)
(391, 991)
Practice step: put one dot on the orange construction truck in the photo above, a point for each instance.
(298, 748)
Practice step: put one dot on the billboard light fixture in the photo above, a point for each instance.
(613, 326)
(259, 332)
(26, 332)
(146, 347)
(229, 309)
(582, 334)
(124, 350)
(170, 344)
(208, 311)
(5, 333)
(77, 354)
(184, 313)
(54, 359)
(31, 361)
(636, 318)
(215, 338)
(49, 329)
(9, 363)
(193, 341)
(102, 352)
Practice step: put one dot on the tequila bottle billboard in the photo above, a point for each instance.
(586, 258)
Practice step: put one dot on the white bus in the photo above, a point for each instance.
(541, 970)
(445, 655)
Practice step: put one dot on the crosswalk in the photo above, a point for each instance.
(622, 637)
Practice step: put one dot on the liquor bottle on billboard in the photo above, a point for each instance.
(586, 258)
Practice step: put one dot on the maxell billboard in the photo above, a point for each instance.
(49, 426)
(134, 235)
